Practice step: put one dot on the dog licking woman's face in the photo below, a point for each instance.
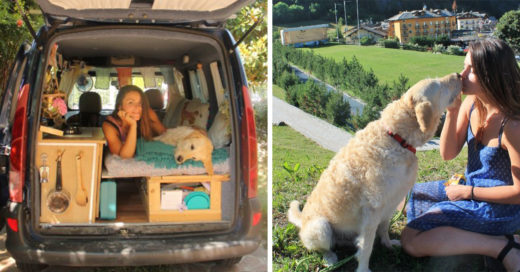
(131, 107)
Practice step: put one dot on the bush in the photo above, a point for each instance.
(390, 43)
(416, 47)
(338, 110)
(367, 40)
(422, 41)
(313, 98)
(291, 94)
(438, 48)
(287, 79)
(455, 50)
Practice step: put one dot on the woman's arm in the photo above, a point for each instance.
(157, 127)
(455, 127)
(116, 147)
(501, 194)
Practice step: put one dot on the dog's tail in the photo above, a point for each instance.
(294, 213)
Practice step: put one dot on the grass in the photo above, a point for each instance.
(388, 64)
(278, 92)
(291, 148)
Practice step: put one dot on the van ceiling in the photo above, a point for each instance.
(149, 46)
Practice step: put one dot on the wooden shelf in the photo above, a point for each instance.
(152, 199)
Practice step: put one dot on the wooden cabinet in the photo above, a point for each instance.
(89, 146)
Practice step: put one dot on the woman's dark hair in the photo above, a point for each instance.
(498, 73)
(144, 124)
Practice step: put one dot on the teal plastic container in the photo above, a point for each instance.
(108, 200)
(197, 201)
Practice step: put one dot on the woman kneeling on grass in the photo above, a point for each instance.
(132, 117)
(480, 216)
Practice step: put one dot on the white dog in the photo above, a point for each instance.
(191, 143)
(360, 189)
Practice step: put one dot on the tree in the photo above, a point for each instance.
(508, 29)
(253, 49)
(13, 32)
(280, 11)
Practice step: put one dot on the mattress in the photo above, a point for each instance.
(154, 158)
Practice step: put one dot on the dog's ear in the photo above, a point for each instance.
(424, 113)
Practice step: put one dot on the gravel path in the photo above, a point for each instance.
(318, 130)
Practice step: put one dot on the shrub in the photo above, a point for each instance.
(291, 94)
(422, 41)
(287, 79)
(367, 40)
(416, 47)
(455, 50)
(438, 48)
(390, 43)
(338, 110)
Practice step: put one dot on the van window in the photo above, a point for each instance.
(108, 96)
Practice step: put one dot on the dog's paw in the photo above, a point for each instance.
(330, 258)
(391, 243)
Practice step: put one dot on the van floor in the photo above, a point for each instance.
(130, 206)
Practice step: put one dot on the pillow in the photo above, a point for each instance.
(219, 132)
(187, 113)
(194, 113)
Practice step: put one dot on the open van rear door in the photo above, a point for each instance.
(8, 99)
(135, 11)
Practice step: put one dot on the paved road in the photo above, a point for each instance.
(318, 130)
(356, 104)
(312, 127)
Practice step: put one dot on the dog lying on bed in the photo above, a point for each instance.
(191, 143)
(360, 189)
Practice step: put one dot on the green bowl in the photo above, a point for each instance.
(197, 201)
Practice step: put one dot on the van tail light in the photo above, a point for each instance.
(256, 218)
(12, 224)
(249, 147)
(18, 147)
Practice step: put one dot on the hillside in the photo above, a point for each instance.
(378, 10)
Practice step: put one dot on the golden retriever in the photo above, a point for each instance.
(191, 143)
(365, 181)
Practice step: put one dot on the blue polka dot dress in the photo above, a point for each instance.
(429, 207)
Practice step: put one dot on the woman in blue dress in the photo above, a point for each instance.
(480, 216)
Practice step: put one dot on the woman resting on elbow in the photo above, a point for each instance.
(132, 118)
(480, 216)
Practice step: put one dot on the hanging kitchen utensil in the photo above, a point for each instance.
(81, 193)
(44, 169)
(58, 199)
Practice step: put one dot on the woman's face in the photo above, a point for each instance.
(470, 84)
(132, 105)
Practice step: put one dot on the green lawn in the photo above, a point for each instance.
(278, 92)
(292, 148)
(388, 64)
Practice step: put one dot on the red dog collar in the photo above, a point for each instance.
(401, 141)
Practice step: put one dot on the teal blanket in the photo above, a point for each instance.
(160, 155)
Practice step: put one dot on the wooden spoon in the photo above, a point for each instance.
(81, 195)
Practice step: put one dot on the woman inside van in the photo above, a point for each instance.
(132, 118)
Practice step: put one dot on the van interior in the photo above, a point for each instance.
(185, 78)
